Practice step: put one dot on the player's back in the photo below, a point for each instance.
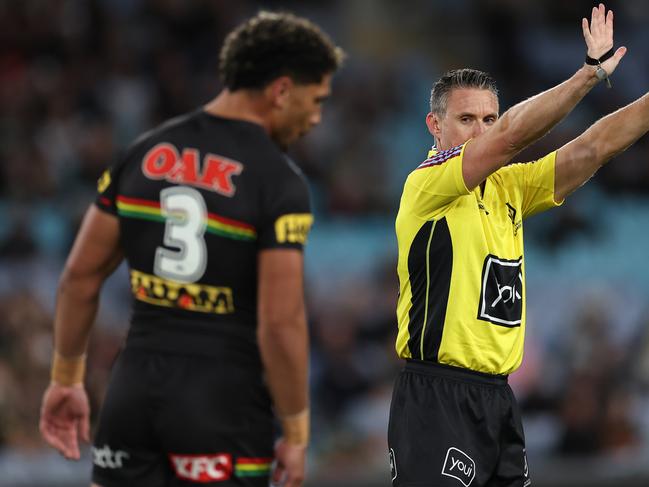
(197, 198)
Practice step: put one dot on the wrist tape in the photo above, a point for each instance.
(295, 428)
(68, 371)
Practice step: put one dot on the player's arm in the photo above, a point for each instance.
(95, 255)
(578, 160)
(282, 329)
(528, 121)
(65, 411)
(283, 342)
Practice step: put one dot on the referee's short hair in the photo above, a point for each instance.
(274, 44)
(458, 78)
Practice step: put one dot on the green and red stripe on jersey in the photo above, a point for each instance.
(252, 467)
(216, 224)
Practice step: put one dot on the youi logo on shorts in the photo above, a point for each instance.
(202, 468)
(459, 466)
(393, 465)
(105, 457)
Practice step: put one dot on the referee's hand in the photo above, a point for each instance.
(65, 417)
(288, 470)
(599, 37)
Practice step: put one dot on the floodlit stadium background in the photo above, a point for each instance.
(79, 79)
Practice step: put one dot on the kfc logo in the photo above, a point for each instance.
(202, 468)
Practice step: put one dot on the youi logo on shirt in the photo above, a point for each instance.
(459, 466)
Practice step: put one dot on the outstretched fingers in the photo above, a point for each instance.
(609, 23)
(598, 33)
(586, 29)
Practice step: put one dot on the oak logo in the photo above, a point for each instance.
(459, 466)
(501, 295)
(163, 161)
(202, 468)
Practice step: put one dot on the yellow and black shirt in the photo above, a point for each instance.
(461, 268)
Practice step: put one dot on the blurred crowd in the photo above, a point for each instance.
(79, 79)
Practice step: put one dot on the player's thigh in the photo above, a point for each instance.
(439, 433)
(216, 424)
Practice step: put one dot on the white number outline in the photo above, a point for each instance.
(185, 226)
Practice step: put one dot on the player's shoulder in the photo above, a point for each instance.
(283, 172)
(166, 128)
(151, 137)
(291, 167)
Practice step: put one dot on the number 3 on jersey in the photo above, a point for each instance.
(186, 219)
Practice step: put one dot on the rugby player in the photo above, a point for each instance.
(211, 218)
(461, 310)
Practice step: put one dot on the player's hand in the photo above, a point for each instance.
(289, 464)
(599, 37)
(65, 414)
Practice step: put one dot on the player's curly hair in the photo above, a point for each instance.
(458, 78)
(274, 44)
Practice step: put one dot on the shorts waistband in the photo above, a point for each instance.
(442, 370)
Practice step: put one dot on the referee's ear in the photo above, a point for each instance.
(434, 126)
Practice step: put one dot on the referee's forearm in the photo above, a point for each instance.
(614, 133)
(531, 119)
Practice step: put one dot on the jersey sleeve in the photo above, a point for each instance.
(536, 182)
(108, 182)
(437, 182)
(286, 216)
(106, 199)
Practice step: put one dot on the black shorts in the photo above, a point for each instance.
(174, 420)
(451, 427)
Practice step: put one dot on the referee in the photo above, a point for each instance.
(461, 311)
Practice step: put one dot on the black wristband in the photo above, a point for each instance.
(595, 62)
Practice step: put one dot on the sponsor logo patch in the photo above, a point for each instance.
(105, 457)
(459, 466)
(526, 471)
(393, 465)
(104, 181)
(193, 297)
(293, 228)
(501, 296)
(164, 161)
(511, 211)
(202, 468)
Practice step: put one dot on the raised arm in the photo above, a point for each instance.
(578, 160)
(528, 121)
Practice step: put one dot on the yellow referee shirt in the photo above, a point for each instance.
(461, 268)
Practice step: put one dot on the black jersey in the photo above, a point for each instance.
(197, 198)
